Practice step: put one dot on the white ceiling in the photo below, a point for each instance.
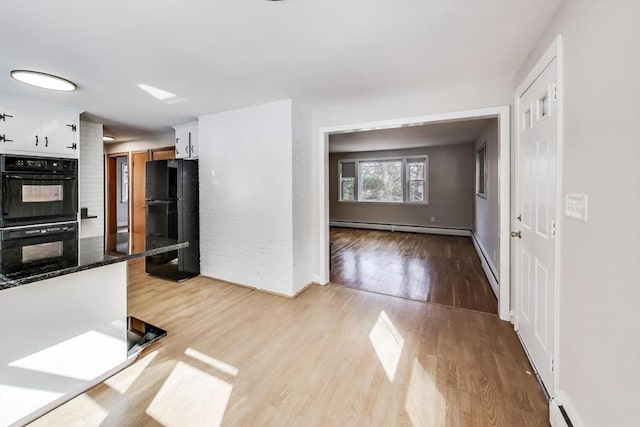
(220, 55)
(457, 132)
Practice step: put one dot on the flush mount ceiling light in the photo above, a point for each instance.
(107, 138)
(43, 80)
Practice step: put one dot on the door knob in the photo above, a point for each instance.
(517, 234)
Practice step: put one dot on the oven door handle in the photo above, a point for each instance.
(41, 178)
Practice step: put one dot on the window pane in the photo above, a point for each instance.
(381, 181)
(348, 170)
(348, 189)
(481, 166)
(416, 191)
(416, 170)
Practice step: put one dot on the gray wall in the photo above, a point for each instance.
(486, 222)
(122, 208)
(599, 284)
(451, 174)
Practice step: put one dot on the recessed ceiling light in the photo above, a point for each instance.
(43, 80)
(107, 138)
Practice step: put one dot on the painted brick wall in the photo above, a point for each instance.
(91, 180)
(246, 196)
(302, 201)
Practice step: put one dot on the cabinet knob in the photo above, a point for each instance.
(36, 140)
(3, 138)
(46, 141)
(3, 117)
(73, 146)
(73, 128)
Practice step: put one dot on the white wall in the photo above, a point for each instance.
(91, 178)
(599, 352)
(246, 202)
(302, 202)
(486, 222)
(432, 99)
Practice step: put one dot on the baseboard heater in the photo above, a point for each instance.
(403, 228)
(558, 416)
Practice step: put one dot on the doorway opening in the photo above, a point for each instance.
(350, 178)
(125, 202)
(117, 200)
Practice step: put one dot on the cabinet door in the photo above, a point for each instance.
(21, 129)
(193, 148)
(60, 132)
(182, 143)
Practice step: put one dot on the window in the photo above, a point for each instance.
(380, 181)
(398, 180)
(416, 177)
(481, 171)
(347, 181)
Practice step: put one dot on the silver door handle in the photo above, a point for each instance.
(517, 234)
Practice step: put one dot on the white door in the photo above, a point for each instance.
(536, 221)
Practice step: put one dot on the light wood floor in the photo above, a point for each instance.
(423, 267)
(333, 356)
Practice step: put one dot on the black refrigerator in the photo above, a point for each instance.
(171, 193)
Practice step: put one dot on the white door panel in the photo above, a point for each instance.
(536, 177)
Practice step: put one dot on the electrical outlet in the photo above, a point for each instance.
(433, 219)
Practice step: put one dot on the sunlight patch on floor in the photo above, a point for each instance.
(212, 361)
(388, 343)
(424, 404)
(124, 379)
(190, 396)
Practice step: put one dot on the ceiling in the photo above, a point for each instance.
(219, 55)
(429, 135)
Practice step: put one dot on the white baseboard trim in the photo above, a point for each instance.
(487, 265)
(315, 278)
(404, 228)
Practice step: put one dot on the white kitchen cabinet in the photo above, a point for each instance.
(61, 132)
(30, 128)
(187, 141)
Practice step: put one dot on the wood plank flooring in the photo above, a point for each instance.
(333, 356)
(423, 267)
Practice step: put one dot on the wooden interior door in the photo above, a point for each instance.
(111, 219)
(136, 191)
(163, 153)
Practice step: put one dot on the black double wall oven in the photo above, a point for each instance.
(38, 226)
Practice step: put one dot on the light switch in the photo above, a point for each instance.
(575, 206)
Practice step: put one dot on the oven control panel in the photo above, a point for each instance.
(39, 230)
(38, 164)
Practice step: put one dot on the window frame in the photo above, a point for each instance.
(359, 176)
(481, 156)
(405, 181)
(425, 179)
(341, 180)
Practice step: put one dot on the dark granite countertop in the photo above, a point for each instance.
(91, 254)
